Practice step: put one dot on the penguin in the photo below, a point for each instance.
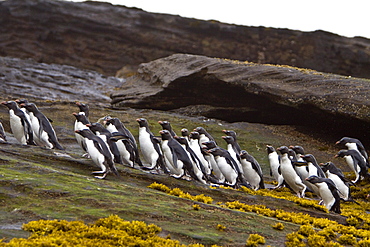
(313, 166)
(99, 130)
(125, 148)
(99, 153)
(274, 161)
(342, 183)
(84, 108)
(115, 125)
(355, 162)
(252, 170)
(290, 175)
(150, 147)
(2, 134)
(25, 101)
(42, 128)
(197, 166)
(167, 126)
(216, 172)
(230, 160)
(194, 145)
(225, 165)
(235, 143)
(300, 165)
(233, 150)
(224, 162)
(313, 169)
(328, 191)
(81, 123)
(354, 144)
(176, 159)
(19, 124)
(204, 136)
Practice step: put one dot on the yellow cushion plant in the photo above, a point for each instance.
(110, 231)
(313, 231)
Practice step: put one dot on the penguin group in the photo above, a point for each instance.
(300, 172)
(29, 125)
(192, 155)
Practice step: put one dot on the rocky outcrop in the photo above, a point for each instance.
(249, 92)
(105, 38)
(39, 81)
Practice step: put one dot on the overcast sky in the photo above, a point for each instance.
(346, 18)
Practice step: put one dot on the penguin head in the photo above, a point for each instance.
(210, 144)
(283, 149)
(194, 135)
(85, 132)
(83, 107)
(30, 107)
(142, 122)
(309, 158)
(200, 130)
(114, 121)
(313, 179)
(185, 132)
(21, 101)
(230, 133)
(165, 125)
(228, 139)
(165, 134)
(343, 141)
(297, 149)
(94, 127)
(12, 105)
(326, 166)
(81, 117)
(341, 153)
(215, 151)
(243, 154)
(182, 140)
(270, 149)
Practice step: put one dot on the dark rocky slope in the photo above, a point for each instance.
(105, 38)
(248, 92)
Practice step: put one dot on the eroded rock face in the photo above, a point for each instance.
(39, 81)
(105, 38)
(237, 91)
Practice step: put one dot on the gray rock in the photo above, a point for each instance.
(239, 91)
(29, 79)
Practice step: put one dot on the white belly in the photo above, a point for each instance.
(174, 168)
(148, 151)
(342, 187)
(228, 172)
(95, 155)
(326, 195)
(17, 128)
(250, 174)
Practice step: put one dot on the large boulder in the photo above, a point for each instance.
(241, 91)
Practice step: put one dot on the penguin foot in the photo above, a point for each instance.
(101, 177)
(98, 172)
(86, 155)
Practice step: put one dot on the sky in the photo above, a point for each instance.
(346, 18)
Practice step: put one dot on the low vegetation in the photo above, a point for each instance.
(46, 194)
